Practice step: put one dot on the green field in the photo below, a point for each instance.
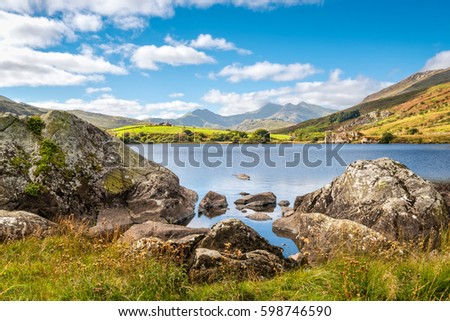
(71, 266)
(146, 133)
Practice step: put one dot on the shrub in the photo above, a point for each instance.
(35, 124)
(386, 138)
(34, 189)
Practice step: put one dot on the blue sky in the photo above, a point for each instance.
(141, 58)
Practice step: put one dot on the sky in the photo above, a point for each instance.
(164, 58)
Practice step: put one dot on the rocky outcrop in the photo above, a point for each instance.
(16, 225)
(259, 202)
(385, 196)
(58, 164)
(213, 204)
(284, 203)
(320, 237)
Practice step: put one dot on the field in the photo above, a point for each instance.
(146, 133)
(71, 266)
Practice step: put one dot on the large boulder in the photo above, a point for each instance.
(259, 202)
(58, 164)
(16, 225)
(233, 235)
(385, 196)
(320, 237)
(213, 204)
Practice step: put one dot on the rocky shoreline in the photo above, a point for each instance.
(64, 167)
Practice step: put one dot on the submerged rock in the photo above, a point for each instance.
(213, 204)
(385, 196)
(243, 177)
(58, 165)
(264, 202)
(15, 225)
(259, 217)
(284, 203)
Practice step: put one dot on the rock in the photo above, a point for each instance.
(110, 221)
(384, 195)
(243, 177)
(287, 211)
(161, 231)
(444, 190)
(233, 235)
(259, 217)
(320, 237)
(67, 166)
(244, 193)
(284, 203)
(213, 204)
(258, 202)
(16, 225)
(210, 265)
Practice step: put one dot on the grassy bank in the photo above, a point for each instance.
(70, 266)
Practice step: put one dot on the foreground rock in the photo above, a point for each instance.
(164, 232)
(259, 202)
(320, 237)
(16, 225)
(58, 165)
(385, 196)
(213, 204)
(232, 249)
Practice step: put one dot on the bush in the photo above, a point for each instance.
(387, 138)
(35, 124)
(412, 131)
(34, 189)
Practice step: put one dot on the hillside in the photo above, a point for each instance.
(416, 109)
(268, 124)
(99, 120)
(280, 115)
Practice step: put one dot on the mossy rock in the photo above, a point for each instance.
(118, 181)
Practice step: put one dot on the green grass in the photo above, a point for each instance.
(71, 266)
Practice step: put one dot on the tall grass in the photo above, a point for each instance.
(71, 266)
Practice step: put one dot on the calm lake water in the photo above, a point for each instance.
(287, 171)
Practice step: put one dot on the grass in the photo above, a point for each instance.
(71, 266)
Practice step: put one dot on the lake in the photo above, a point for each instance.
(287, 170)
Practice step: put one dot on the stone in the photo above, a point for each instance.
(243, 177)
(161, 231)
(71, 167)
(265, 202)
(244, 193)
(210, 265)
(110, 221)
(16, 225)
(259, 217)
(385, 196)
(233, 235)
(213, 204)
(320, 237)
(287, 211)
(284, 203)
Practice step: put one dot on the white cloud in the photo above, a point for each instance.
(176, 95)
(84, 22)
(439, 61)
(267, 71)
(34, 32)
(29, 67)
(93, 90)
(125, 49)
(148, 57)
(334, 93)
(158, 8)
(206, 41)
(110, 105)
(129, 22)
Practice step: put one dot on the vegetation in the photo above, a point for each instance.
(34, 189)
(71, 266)
(344, 115)
(51, 155)
(35, 124)
(386, 138)
(149, 134)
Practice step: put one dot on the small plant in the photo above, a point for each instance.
(51, 155)
(36, 124)
(34, 189)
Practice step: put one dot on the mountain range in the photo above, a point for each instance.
(416, 109)
(269, 116)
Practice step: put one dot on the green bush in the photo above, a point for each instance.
(412, 131)
(35, 124)
(34, 189)
(386, 138)
(51, 155)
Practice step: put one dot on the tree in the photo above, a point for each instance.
(386, 138)
(261, 135)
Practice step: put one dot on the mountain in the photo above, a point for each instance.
(99, 120)
(417, 109)
(270, 115)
